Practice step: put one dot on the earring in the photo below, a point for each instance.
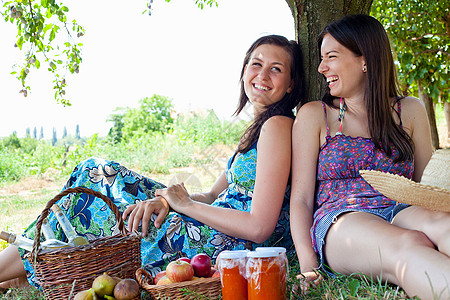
(364, 69)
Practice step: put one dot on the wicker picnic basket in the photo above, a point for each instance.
(65, 271)
(206, 287)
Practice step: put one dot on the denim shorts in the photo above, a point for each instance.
(322, 227)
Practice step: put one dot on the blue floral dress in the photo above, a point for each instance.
(179, 235)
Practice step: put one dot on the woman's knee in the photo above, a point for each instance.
(410, 239)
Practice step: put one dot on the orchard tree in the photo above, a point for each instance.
(39, 25)
(420, 34)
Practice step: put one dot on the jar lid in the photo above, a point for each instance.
(280, 250)
(233, 254)
(261, 254)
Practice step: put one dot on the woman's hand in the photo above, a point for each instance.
(307, 280)
(143, 211)
(176, 195)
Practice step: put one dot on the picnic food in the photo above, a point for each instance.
(181, 270)
(86, 295)
(202, 265)
(110, 288)
(126, 289)
(159, 276)
(178, 271)
(104, 285)
(164, 280)
(231, 265)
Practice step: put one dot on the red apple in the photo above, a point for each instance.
(186, 259)
(216, 273)
(213, 270)
(158, 276)
(201, 264)
(164, 280)
(178, 271)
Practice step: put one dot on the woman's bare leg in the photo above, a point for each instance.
(12, 272)
(435, 224)
(363, 243)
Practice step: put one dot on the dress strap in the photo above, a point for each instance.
(326, 120)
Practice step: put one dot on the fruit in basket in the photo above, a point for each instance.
(202, 265)
(158, 276)
(104, 285)
(186, 259)
(86, 295)
(126, 289)
(216, 273)
(117, 279)
(164, 280)
(178, 271)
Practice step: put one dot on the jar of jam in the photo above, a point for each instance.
(284, 263)
(265, 277)
(231, 265)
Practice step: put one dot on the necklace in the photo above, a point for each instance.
(342, 107)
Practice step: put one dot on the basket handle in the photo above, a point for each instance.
(144, 278)
(78, 190)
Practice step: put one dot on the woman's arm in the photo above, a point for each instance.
(305, 150)
(415, 121)
(141, 213)
(219, 186)
(272, 173)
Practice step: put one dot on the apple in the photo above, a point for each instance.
(158, 276)
(213, 270)
(216, 274)
(164, 280)
(178, 271)
(186, 259)
(202, 265)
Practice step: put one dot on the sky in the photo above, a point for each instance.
(190, 55)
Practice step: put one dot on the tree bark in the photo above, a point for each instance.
(447, 119)
(310, 17)
(428, 101)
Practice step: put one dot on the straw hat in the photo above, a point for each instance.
(433, 191)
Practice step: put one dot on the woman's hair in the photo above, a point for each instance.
(289, 101)
(365, 36)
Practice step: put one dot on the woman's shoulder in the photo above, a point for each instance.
(278, 121)
(311, 107)
(410, 102)
(312, 111)
(411, 106)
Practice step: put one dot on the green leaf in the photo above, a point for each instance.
(20, 42)
(37, 63)
(354, 285)
(52, 34)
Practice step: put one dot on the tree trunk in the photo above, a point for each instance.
(428, 101)
(310, 17)
(447, 119)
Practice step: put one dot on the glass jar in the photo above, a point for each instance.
(231, 265)
(265, 277)
(284, 263)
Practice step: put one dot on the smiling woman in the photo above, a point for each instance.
(180, 51)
